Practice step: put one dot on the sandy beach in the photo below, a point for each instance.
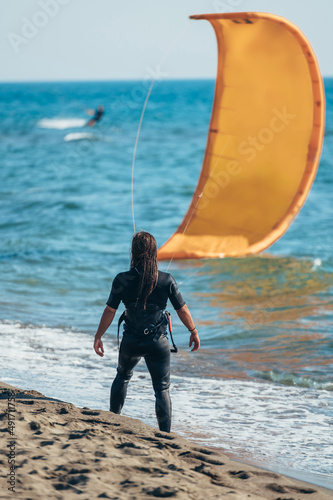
(53, 449)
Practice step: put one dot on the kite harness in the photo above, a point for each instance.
(155, 330)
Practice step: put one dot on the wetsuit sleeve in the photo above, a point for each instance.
(115, 294)
(174, 295)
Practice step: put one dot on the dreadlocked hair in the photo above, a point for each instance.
(144, 259)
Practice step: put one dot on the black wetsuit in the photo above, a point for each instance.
(136, 344)
(98, 114)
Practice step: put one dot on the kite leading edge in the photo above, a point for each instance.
(264, 141)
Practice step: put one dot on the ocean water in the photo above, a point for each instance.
(261, 387)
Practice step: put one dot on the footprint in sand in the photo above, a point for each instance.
(202, 450)
(161, 444)
(164, 435)
(174, 467)
(90, 412)
(79, 434)
(161, 491)
(206, 469)
(152, 470)
(34, 426)
(286, 489)
(64, 486)
(100, 454)
(71, 470)
(62, 411)
(241, 474)
(128, 444)
(200, 456)
(46, 443)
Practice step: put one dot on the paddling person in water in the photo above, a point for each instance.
(97, 115)
(144, 290)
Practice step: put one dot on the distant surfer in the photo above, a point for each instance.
(96, 116)
(145, 290)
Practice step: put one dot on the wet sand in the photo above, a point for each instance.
(62, 451)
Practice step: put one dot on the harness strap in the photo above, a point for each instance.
(120, 320)
(168, 316)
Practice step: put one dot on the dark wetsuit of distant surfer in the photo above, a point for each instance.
(144, 290)
(99, 112)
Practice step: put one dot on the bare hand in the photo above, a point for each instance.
(98, 346)
(194, 339)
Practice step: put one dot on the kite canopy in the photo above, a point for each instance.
(264, 140)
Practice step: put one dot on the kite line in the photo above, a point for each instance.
(173, 42)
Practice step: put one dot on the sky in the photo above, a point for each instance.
(56, 40)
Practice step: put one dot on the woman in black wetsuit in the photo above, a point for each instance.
(144, 290)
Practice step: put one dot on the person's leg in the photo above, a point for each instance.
(126, 363)
(158, 364)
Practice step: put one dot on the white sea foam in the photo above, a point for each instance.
(79, 136)
(316, 263)
(59, 362)
(61, 123)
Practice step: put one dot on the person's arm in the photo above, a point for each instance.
(106, 320)
(186, 318)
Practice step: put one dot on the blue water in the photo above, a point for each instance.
(66, 224)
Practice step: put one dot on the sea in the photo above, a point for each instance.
(261, 386)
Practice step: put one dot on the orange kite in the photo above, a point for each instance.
(264, 141)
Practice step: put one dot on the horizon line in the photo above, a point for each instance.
(121, 80)
(108, 80)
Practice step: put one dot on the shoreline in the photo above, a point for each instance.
(313, 478)
(61, 451)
